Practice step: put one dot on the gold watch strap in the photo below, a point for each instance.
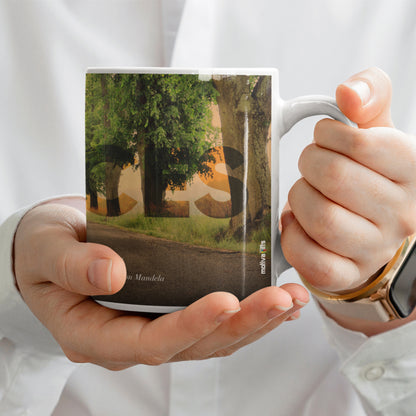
(370, 302)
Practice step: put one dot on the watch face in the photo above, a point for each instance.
(403, 288)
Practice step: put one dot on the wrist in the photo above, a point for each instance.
(384, 297)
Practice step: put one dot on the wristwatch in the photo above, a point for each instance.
(390, 294)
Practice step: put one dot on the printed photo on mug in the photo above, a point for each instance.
(178, 182)
(182, 179)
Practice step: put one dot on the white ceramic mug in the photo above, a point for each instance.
(202, 204)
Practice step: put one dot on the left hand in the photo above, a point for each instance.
(57, 272)
(356, 200)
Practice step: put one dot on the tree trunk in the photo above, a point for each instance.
(231, 89)
(245, 114)
(260, 175)
(112, 179)
(93, 199)
(154, 186)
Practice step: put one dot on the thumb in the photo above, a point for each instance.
(365, 98)
(49, 247)
(88, 269)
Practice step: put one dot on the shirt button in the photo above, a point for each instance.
(374, 372)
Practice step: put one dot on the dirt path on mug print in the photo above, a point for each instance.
(188, 271)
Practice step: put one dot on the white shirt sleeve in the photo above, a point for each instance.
(381, 368)
(31, 361)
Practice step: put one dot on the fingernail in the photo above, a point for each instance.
(99, 274)
(293, 317)
(299, 302)
(361, 88)
(278, 310)
(223, 316)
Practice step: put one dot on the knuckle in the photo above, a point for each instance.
(152, 359)
(61, 270)
(405, 213)
(193, 353)
(406, 223)
(74, 356)
(293, 192)
(325, 224)
(186, 355)
(388, 253)
(226, 352)
(412, 217)
(409, 179)
(305, 155)
(237, 332)
(322, 275)
(411, 151)
(79, 358)
(336, 174)
(114, 367)
(320, 127)
(358, 142)
(288, 249)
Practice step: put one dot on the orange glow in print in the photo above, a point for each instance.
(217, 180)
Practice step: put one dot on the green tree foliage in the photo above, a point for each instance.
(158, 122)
(109, 144)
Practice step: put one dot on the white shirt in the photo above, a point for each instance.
(45, 47)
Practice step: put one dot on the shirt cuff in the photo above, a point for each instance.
(17, 322)
(382, 368)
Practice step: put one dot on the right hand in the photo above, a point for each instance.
(57, 272)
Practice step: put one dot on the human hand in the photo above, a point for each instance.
(57, 272)
(356, 200)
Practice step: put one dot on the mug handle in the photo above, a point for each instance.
(291, 112)
(299, 108)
